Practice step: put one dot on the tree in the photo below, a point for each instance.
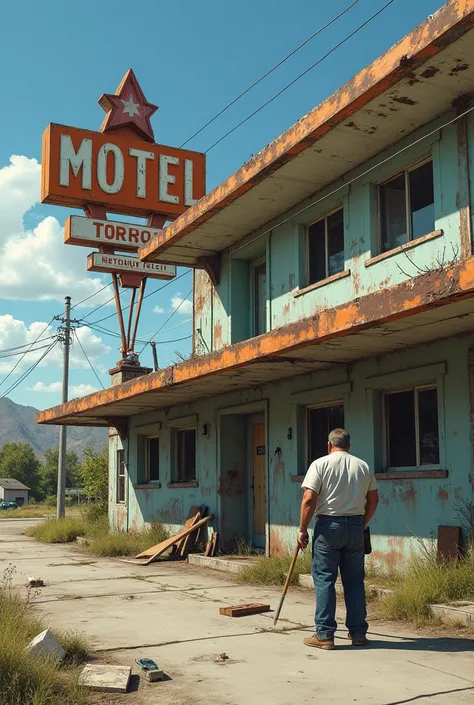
(94, 471)
(18, 461)
(49, 472)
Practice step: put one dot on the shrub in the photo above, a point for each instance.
(120, 543)
(58, 530)
(96, 511)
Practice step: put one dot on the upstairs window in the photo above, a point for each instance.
(326, 247)
(406, 206)
(412, 429)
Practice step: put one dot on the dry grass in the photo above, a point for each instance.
(26, 681)
(273, 571)
(29, 511)
(101, 540)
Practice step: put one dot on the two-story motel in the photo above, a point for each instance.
(333, 286)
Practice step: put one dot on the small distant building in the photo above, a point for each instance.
(13, 491)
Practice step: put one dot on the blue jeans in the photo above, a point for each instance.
(338, 543)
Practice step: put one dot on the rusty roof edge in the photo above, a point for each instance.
(437, 32)
(426, 291)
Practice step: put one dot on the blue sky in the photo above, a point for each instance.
(191, 59)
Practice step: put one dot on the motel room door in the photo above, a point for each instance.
(258, 483)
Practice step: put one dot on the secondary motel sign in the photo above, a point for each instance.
(100, 262)
(126, 237)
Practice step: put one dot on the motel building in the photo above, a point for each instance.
(333, 286)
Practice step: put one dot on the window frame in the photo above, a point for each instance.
(311, 407)
(254, 265)
(146, 441)
(175, 476)
(405, 173)
(120, 463)
(385, 425)
(324, 217)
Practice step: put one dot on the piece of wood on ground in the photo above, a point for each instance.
(185, 545)
(244, 610)
(164, 545)
(189, 522)
(214, 542)
(111, 679)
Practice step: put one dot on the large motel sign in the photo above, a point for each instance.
(121, 170)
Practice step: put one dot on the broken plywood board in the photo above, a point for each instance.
(110, 679)
(244, 610)
(191, 520)
(164, 545)
(187, 544)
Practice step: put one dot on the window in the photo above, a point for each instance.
(406, 206)
(120, 476)
(326, 247)
(320, 422)
(152, 459)
(185, 470)
(411, 423)
(259, 289)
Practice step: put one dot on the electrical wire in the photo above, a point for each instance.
(356, 178)
(87, 358)
(29, 370)
(25, 345)
(26, 353)
(186, 298)
(270, 71)
(92, 296)
(14, 354)
(288, 85)
(152, 293)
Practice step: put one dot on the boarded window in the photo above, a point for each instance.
(185, 470)
(407, 206)
(412, 432)
(326, 247)
(320, 422)
(120, 476)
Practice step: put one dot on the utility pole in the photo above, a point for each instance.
(65, 333)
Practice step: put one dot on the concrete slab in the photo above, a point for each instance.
(110, 679)
(456, 613)
(222, 565)
(46, 646)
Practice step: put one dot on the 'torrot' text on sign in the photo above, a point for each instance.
(126, 237)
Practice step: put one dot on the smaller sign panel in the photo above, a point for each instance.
(126, 237)
(260, 450)
(98, 262)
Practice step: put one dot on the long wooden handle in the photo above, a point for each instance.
(287, 583)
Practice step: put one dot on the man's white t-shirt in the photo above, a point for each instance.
(342, 481)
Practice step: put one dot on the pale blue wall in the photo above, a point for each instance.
(408, 508)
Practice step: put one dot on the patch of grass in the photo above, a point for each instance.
(424, 583)
(273, 571)
(26, 681)
(75, 645)
(58, 530)
(120, 543)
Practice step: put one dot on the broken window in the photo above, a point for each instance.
(412, 433)
(407, 206)
(185, 470)
(120, 459)
(152, 459)
(326, 247)
(320, 422)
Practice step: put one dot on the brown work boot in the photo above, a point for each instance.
(317, 643)
(359, 640)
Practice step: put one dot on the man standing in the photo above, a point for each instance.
(342, 491)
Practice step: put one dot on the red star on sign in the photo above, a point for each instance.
(128, 108)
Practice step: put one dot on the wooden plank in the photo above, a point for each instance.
(189, 522)
(161, 548)
(244, 610)
(195, 513)
(188, 543)
(214, 540)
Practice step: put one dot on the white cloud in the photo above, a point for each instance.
(158, 309)
(180, 305)
(35, 265)
(15, 333)
(75, 390)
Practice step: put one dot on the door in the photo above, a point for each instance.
(259, 454)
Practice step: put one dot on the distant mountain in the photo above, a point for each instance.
(18, 425)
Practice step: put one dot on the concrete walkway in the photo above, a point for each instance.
(170, 612)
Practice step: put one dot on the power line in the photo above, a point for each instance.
(91, 296)
(288, 85)
(26, 353)
(32, 350)
(168, 319)
(354, 179)
(152, 293)
(29, 370)
(25, 345)
(85, 355)
(270, 71)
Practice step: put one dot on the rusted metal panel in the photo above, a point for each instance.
(425, 292)
(430, 38)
